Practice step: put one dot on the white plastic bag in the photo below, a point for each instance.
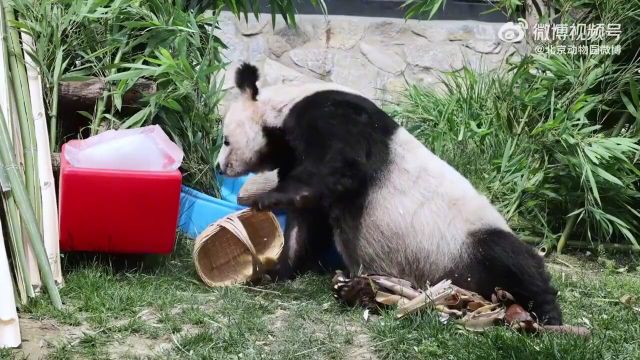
(144, 149)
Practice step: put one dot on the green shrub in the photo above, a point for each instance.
(531, 139)
(554, 141)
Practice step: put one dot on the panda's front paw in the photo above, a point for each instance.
(269, 201)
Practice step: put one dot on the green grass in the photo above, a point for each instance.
(127, 309)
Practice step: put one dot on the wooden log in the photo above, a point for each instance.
(84, 94)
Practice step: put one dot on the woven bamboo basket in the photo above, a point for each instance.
(238, 248)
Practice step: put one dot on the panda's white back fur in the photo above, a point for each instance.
(276, 101)
(426, 206)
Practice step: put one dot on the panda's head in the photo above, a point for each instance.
(253, 138)
(243, 138)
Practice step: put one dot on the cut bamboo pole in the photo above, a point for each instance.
(26, 211)
(9, 326)
(31, 263)
(23, 131)
(23, 106)
(50, 230)
(23, 281)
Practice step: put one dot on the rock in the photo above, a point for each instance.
(422, 77)
(251, 26)
(275, 73)
(393, 90)
(318, 31)
(294, 37)
(345, 34)
(485, 32)
(256, 49)
(484, 46)
(386, 29)
(446, 57)
(463, 33)
(316, 60)
(429, 31)
(484, 63)
(277, 45)
(354, 71)
(384, 60)
(514, 58)
(250, 49)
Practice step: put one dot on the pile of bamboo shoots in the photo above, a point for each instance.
(454, 304)
(29, 220)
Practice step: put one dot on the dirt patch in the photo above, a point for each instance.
(278, 319)
(362, 347)
(39, 337)
(138, 347)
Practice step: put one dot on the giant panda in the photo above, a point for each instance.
(388, 204)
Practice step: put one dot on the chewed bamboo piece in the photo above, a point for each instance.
(454, 304)
(9, 327)
(50, 230)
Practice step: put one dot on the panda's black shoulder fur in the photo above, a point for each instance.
(247, 79)
(344, 135)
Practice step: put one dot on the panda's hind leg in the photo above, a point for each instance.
(497, 258)
(308, 237)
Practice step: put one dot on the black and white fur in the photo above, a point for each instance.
(390, 205)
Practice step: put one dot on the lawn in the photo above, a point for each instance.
(157, 308)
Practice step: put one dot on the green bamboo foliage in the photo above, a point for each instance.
(8, 162)
(20, 87)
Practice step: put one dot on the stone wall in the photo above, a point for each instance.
(376, 56)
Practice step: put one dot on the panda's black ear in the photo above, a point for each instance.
(247, 79)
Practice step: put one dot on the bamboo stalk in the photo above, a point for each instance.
(23, 281)
(25, 145)
(31, 262)
(27, 212)
(571, 222)
(50, 230)
(623, 120)
(53, 116)
(21, 92)
(9, 326)
(102, 102)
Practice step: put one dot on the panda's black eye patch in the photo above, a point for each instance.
(225, 141)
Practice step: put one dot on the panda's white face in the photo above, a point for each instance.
(243, 139)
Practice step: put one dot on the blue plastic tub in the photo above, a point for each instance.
(199, 210)
(230, 187)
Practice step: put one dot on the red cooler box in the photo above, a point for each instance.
(118, 211)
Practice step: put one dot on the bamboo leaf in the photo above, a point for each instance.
(137, 119)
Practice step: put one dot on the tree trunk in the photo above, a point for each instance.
(85, 94)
